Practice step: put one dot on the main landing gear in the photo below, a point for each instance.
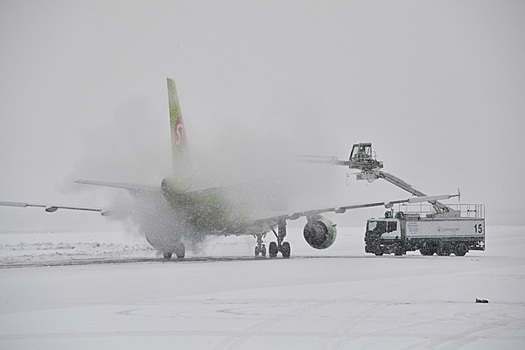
(275, 247)
(179, 250)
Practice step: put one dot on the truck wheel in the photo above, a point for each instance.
(444, 249)
(426, 251)
(461, 249)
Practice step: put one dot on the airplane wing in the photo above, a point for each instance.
(53, 208)
(131, 187)
(50, 208)
(342, 209)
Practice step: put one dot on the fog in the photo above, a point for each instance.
(436, 87)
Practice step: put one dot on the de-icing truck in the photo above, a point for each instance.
(435, 228)
(411, 229)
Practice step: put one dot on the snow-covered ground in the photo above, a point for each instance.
(25, 249)
(109, 291)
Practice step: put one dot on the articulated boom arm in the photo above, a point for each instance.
(371, 175)
(362, 158)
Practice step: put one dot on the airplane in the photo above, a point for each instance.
(181, 213)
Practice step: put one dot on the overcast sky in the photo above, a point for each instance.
(437, 87)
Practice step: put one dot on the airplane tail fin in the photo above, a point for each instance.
(178, 134)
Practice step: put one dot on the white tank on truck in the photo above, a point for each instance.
(416, 227)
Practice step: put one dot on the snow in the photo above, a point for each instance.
(22, 249)
(108, 290)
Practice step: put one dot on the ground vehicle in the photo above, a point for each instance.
(434, 228)
(418, 228)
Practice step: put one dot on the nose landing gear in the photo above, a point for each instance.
(260, 248)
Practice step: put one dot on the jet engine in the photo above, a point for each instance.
(319, 232)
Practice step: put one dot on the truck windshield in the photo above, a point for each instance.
(392, 226)
(376, 226)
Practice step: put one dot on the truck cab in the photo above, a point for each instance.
(384, 235)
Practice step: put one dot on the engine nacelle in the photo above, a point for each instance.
(319, 232)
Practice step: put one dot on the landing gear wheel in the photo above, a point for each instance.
(273, 250)
(286, 250)
(180, 251)
(167, 256)
(260, 248)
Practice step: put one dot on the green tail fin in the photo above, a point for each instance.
(178, 135)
